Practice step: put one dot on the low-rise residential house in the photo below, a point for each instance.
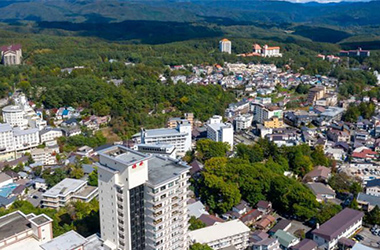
(265, 222)
(210, 219)
(322, 191)
(337, 154)
(196, 208)
(318, 174)
(241, 208)
(338, 136)
(5, 179)
(85, 151)
(264, 207)
(367, 202)
(66, 191)
(345, 224)
(231, 233)
(251, 217)
(286, 240)
(267, 244)
(283, 224)
(305, 244)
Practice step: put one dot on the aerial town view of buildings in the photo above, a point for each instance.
(147, 187)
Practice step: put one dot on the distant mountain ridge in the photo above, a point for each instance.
(341, 14)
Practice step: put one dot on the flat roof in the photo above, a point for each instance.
(65, 187)
(12, 224)
(41, 219)
(86, 191)
(18, 131)
(218, 231)
(12, 108)
(163, 169)
(5, 127)
(217, 126)
(29, 243)
(123, 155)
(68, 241)
(338, 224)
(161, 132)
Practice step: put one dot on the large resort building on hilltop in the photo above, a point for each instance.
(11, 55)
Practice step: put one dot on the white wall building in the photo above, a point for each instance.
(179, 137)
(157, 149)
(271, 51)
(66, 191)
(22, 115)
(25, 139)
(263, 112)
(225, 46)
(222, 235)
(220, 132)
(14, 116)
(373, 187)
(50, 134)
(243, 122)
(45, 156)
(15, 139)
(11, 55)
(20, 231)
(344, 224)
(143, 200)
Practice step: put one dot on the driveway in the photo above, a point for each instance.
(370, 240)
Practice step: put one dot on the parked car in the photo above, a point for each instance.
(359, 237)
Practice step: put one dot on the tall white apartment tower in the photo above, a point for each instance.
(225, 46)
(142, 200)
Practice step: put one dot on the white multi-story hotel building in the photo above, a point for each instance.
(22, 115)
(142, 200)
(15, 139)
(179, 137)
(219, 131)
(225, 46)
(14, 116)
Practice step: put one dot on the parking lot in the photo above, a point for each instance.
(370, 240)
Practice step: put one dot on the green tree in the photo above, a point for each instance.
(198, 246)
(327, 211)
(208, 149)
(373, 217)
(93, 178)
(196, 223)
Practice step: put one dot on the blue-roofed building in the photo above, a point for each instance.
(373, 187)
(368, 202)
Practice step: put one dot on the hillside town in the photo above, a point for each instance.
(149, 185)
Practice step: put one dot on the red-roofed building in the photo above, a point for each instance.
(363, 154)
(11, 55)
